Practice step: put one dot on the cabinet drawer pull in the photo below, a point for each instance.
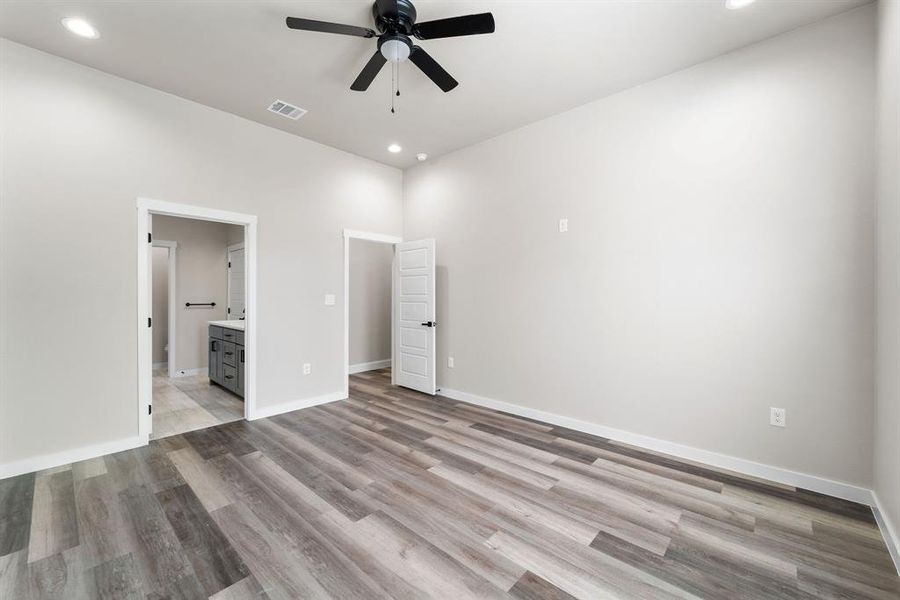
(229, 354)
(242, 356)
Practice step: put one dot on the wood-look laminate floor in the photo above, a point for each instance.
(392, 494)
(187, 403)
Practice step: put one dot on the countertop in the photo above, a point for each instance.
(235, 324)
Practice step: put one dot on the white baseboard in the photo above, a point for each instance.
(887, 531)
(191, 372)
(370, 366)
(47, 461)
(739, 465)
(162, 365)
(277, 409)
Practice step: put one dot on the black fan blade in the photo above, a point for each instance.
(435, 72)
(367, 75)
(455, 26)
(387, 8)
(325, 27)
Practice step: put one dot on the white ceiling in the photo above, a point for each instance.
(544, 58)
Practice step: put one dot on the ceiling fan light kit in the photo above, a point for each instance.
(395, 21)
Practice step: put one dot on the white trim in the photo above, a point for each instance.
(172, 300)
(292, 405)
(370, 366)
(739, 465)
(48, 461)
(372, 237)
(228, 250)
(146, 207)
(891, 539)
(190, 372)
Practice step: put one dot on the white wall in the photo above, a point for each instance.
(78, 147)
(201, 276)
(160, 274)
(370, 301)
(719, 258)
(887, 410)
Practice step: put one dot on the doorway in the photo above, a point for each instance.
(187, 394)
(412, 311)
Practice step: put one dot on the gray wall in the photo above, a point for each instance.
(78, 147)
(160, 270)
(887, 410)
(201, 276)
(370, 301)
(719, 258)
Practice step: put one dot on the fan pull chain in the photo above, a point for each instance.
(393, 84)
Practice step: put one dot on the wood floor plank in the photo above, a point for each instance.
(101, 521)
(16, 503)
(215, 562)
(54, 525)
(158, 551)
(14, 575)
(330, 568)
(245, 589)
(118, 579)
(532, 587)
(203, 481)
(268, 558)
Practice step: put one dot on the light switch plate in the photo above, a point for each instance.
(329, 299)
(307, 368)
(563, 225)
(450, 362)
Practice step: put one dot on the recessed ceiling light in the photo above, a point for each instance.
(394, 148)
(421, 157)
(80, 27)
(736, 4)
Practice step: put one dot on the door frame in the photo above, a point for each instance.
(372, 237)
(228, 250)
(145, 208)
(171, 301)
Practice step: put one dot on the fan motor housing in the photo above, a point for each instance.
(400, 23)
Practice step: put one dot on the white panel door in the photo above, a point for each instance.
(414, 315)
(236, 285)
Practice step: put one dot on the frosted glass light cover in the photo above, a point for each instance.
(395, 51)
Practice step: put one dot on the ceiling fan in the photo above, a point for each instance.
(396, 22)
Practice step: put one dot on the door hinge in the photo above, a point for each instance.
(149, 409)
(149, 322)
(229, 310)
(149, 238)
(229, 264)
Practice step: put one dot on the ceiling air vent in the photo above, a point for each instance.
(287, 110)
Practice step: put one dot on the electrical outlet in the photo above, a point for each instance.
(329, 299)
(563, 225)
(777, 417)
(307, 368)
(450, 362)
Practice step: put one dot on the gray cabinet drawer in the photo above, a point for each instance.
(215, 332)
(239, 337)
(229, 335)
(229, 354)
(230, 377)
